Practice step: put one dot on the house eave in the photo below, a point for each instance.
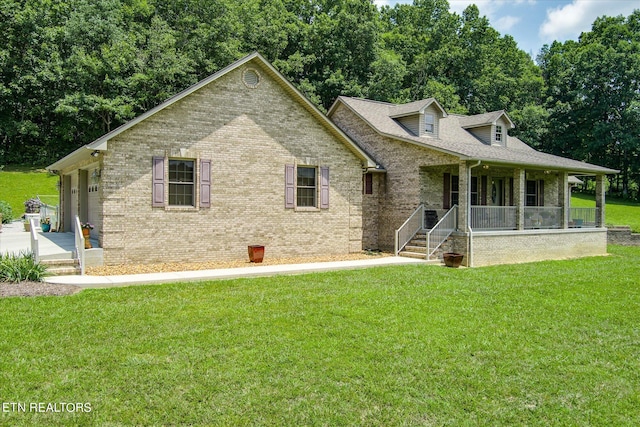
(80, 155)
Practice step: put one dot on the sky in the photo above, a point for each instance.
(534, 23)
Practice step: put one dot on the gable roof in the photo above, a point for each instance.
(484, 119)
(454, 139)
(416, 107)
(101, 144)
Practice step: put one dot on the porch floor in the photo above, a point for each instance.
(14, 239)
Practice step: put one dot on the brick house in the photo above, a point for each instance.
(240, 158)
(506, 201)
(243, 158)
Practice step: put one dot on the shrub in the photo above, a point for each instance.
(21, 267)
(6, 211)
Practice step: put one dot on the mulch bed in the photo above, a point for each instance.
(35, 289)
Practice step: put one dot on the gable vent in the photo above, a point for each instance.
(251, 78)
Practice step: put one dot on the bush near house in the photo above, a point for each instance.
(21, 267)
(6, 212)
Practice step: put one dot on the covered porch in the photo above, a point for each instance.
(500, 214)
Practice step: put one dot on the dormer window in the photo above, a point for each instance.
(428, 123)
(498, 133)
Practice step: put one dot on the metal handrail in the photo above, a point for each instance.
(79, 240)
(409, 228)
(442, 230)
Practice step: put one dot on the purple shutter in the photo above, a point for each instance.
(289, 187)
(483, 189)
(158, 182)
(324, 187)
(368, 183)
(205, 183)
(446, 191)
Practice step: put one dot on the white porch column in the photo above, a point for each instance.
(463, 198)
(564, 198)
(600, 202)
(519, 183)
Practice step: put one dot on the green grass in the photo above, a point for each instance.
(19, 183)
(618, 211)
(550, 343)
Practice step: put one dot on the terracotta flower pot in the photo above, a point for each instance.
(86, 233)
(256, 253)
(452, 259)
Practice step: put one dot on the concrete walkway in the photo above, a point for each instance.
(255, 270)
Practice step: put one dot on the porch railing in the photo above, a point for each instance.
(48, 211)
(493, 217)
(583, 217)
(442, 230)
(409, 229)
(542, 217)
(79, 240)
(35, 245)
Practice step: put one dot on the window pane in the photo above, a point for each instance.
(455, 183)
(306, 189)
(306, 197)
(306, 177)
(181, 182)
(428, 123)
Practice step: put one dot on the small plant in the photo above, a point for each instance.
(21, 267)
(86, 225)
(32, 206)
(6, 212)
(46, 220)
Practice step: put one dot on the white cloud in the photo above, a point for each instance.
(567, 22)
(505, 23)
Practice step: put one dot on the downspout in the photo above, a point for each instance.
(470, 248)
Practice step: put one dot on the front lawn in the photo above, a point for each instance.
(550, 343)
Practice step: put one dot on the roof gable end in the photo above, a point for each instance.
(416, 107)
(485, 119)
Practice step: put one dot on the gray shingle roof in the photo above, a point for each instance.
(413, 107)
(482, 119)
(454, 139)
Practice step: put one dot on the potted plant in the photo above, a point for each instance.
(45, 224)
(32, 206)
(452, 259)
(86, 233)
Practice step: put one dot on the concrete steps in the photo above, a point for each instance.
(61, 267)
(417, 248)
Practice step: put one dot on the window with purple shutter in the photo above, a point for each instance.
(324, 187)
(205, 183)
(158, 182)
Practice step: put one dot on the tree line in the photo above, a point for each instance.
(71, 70)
